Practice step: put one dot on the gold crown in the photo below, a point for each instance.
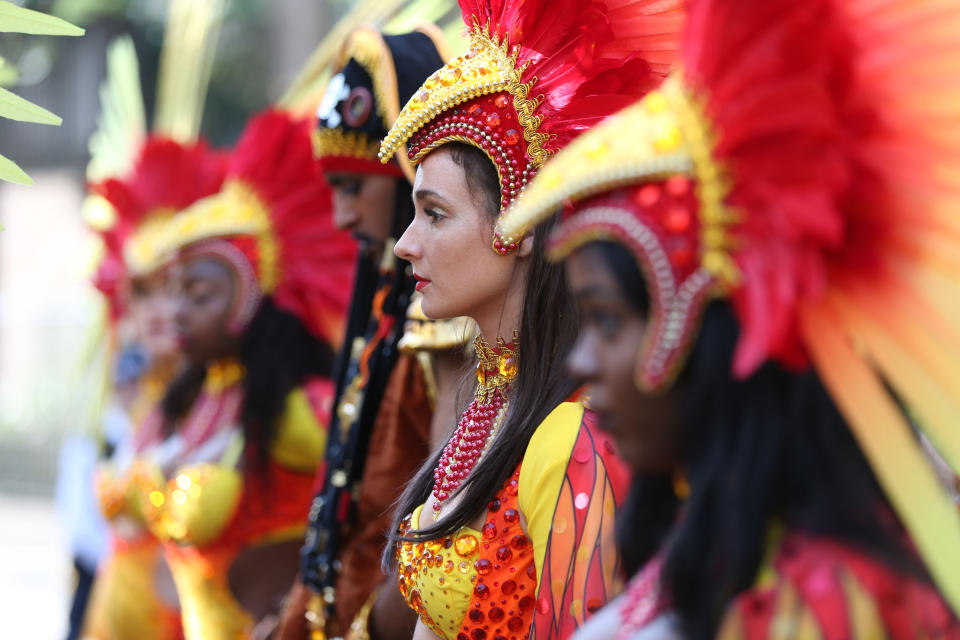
(663, 134)
(235, 211)
(337, 142)
(487, 67)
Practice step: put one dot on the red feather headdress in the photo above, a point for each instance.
(806, 166)
(167, 177)
(272, 220)
(537, 74)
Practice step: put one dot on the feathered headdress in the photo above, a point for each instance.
(138, 180)
(272, 220)
(806, 166)
(537, 74)
(166, 177)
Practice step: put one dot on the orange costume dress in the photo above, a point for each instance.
(270, 225)
(535, 75)
(798, 168)
(504, 581)
(211, 510)
(125, 601)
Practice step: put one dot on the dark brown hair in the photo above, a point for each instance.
(548, 323)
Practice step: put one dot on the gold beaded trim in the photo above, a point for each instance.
(338, 143)
(664, 134)
(487, 67)
(140, 253)
(235, 211)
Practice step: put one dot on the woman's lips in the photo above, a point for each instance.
(421, 282)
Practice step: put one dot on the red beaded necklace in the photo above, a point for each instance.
(496, 370)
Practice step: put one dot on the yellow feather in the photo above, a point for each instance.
(924, 373)
(903, 470)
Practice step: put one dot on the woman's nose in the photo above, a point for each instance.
(582, 361)
(406, 247)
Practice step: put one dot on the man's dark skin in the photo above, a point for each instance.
(364, 205)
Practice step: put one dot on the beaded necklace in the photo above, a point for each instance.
(496, 371)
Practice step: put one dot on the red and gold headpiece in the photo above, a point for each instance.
(536, 75)
(272, 222)
(167, 177)
(799, 167)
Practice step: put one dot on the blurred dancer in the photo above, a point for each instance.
(140, 181)
(763, 254)
(264, 277)
(508, 530)
(389, 379)
(133, 591)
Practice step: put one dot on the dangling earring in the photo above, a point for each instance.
(681, 488)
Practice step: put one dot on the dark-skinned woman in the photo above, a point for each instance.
(507, 530)
(761, 251)
(264, 285)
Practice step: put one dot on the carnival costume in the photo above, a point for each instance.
(270, 224)
(162, 177)
(536, 74)
(803, 167)
(384, 399)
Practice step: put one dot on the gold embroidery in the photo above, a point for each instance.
(236, 210)
(664, 134)
(140, 251)
(487, 67)
(337, 142)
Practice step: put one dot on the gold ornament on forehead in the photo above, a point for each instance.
(664, 134)
(489, 66)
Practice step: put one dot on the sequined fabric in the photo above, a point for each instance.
(474, 585)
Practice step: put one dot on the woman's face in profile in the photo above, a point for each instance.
(612, 330)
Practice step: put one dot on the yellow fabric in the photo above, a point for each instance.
(301, 440)
(446, 585)
(542, 473)
(124, 603)
(200, 501)
(208, 607)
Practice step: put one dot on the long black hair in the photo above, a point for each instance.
(279, 354)
(771, 448)
(548, 323)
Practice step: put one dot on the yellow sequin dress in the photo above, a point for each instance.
(502, 581)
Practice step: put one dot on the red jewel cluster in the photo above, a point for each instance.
(670, 207)
(491, 123)
(464, 449)
(504, 596)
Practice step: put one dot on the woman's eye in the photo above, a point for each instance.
(351, 188)
(607, 323)
(434, 215)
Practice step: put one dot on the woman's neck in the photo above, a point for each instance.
(501, 320)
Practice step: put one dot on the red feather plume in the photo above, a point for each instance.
(167, 177)
(274, 156)
(589, 58)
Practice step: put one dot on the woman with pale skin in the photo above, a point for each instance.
(507, 531)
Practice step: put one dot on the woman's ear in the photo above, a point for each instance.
(526, 246)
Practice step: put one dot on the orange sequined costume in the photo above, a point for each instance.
(797, 168)
(502, 582)
(167, 176)
(271, 226)
(536, 74)
(210, 511)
